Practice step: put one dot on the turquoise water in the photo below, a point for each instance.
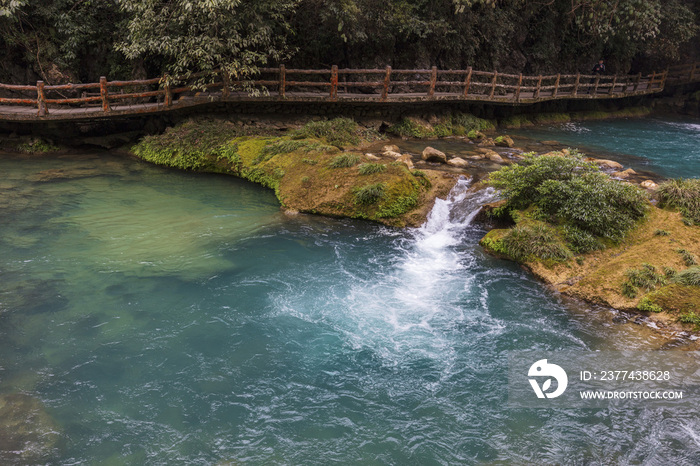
(666, 146)
(164, 317)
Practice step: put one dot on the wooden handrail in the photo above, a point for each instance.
(467, 84)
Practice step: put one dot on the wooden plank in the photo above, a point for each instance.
(467, 81)
(576, 84)
(517, 91)
(283, 81)
(41, 99)
(493, 84)
(537, 89)
(104, 95)
(387, 80)
(334, 82)
(556, 86)
(433, 80)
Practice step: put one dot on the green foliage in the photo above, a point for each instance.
(645, 277)
(457, 124)
(689, 277)
(646, 305)
(309, 161)
(661, 233)
(681, 194)
(285, 146)
(399, 206)
(629, 290)
(338, 132)
(345, 161)
(535, 241)
(670, 272)
(37, 146)
(689, 317)
(581, 241)
(573, 191)
(408, 128)
(370, 193)
(688, 257)
(190, 36)
(371, 168)
(422, 178)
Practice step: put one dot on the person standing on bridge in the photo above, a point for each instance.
(598, 69)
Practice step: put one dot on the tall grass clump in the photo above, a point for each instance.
(681, 194)
(690, 277)
(345, 161)
(338, 132)
(645, 277)
(371, 168)
(536, 240)
(688, 257)
(573, 192)
(370, 193)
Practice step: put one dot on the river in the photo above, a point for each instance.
(164, 317)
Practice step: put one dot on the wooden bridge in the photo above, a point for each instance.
(107, 99)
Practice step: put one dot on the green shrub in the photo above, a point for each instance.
(309, 161)
(37, 146)
(573, 191)
(581, 241)
(689, 318)
(370, 194)
(469, 122)
(629, 290)
(681, 194)
(422, 178)
(688, 257)
(408, 128)
(371, 168)
(399, 206)
(646, 305)
(537, 240)
(285, 146)
(345, 161)
(661, 233)
(645, 277)
(670, 272)
(689, 277)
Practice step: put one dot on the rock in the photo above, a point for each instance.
(494, 157)
(608, 164)
(477, 157)
(648, 184)
(391, 148)
(624, 174)
(504, 141)
(487, 142)
(372, 157)
(458, 162)
(476, 135)
(433, 155)
(391, 153)
(28, 434)
(406, 159)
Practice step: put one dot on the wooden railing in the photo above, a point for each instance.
(332, 84)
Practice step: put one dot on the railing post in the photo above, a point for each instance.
(433, 80)
(168, 101)
(663, 79)
(467, 81)
(539, 84)
(578, 80)
(493, 84)
(283, 81)
(226, 88)
(614, 83)
(41, 99)
(636, 82)
(334, 82)
(104, 94)
(517, 91)
(556, 86)
(595, 87)
(387, 80)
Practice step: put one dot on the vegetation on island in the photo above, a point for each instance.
(62, 41)
(317, 168)
(592, 236)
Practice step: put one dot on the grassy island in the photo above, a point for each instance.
(599, 239)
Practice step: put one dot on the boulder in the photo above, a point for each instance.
(458, 162)
(406, 159)
(494, 157)
(504, 141)
(624, 174)
(391, 148)
(608, 164)
(476, 135)
(433, 155)
(648, 184)
(391, 153)
(372, 157)
(487, 142)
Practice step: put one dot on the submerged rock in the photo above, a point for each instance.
(433, 155)
(391, 148)
(28, 434)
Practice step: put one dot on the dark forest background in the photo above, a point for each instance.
(79, 40)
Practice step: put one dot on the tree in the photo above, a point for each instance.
(202, 36)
